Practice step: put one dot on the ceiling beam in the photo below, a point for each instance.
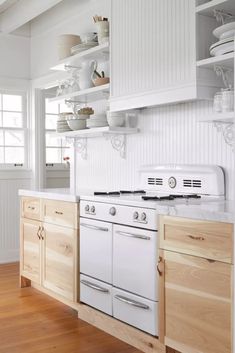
(23, 12)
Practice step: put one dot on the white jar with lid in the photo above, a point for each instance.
(227, 103)
(217, 104)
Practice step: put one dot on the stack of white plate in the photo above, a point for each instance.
(84, 46)
(62, 125)
(97, 121)
(225, 34)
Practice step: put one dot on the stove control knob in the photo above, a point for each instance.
(92, 209)
(112, 211)
(87, 208)
(143, 216)
(135, 215)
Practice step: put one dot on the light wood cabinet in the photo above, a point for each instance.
(59, 253)
(153, 54)
(30, 253)
(49, 247)
(195, 291)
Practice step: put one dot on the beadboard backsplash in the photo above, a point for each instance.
(169, 134)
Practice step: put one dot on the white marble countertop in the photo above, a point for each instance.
(52, 194)
(220, 211)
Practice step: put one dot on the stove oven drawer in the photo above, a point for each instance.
(211, 240)
(136, 311)
(135, 261)
(96, 294)
(96, 243)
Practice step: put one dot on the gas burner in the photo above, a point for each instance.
(102, 193)
(170, 197)
(127, 192)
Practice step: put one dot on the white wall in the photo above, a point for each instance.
(171, 134)
(71, 16)
(10, 183)
(15, 57)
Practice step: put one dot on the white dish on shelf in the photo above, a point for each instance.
(91, 125)
(81, 47)
(77, 124)
(225, 31)
(222, 47)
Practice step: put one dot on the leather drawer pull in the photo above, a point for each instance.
(57, 212)
(195, 238)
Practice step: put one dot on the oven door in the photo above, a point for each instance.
(96, 249)
(135, 261)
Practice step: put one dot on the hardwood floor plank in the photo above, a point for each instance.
(31, 322)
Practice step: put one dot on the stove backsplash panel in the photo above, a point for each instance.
(169, 134)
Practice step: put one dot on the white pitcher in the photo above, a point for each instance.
(86, 74)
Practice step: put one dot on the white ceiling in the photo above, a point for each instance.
(16, 13)
(6, 4)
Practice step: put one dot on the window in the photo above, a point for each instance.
(13, 128)
(56, 147)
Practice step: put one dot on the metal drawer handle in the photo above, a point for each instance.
(103, 229)
(195, 238)
(39, 233)
(57, 212)
(131, 302)
(31, 208)
(42, 233)
(131, 235)
(94, 286)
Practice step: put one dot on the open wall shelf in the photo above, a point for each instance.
(208, 8)
(100, 51)
(86, 95)
(226, 60)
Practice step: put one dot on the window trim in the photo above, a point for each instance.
(25, 129)
(55, 165)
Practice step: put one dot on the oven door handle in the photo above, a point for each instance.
(90, 226)
(132, 235)
(94, 286)
(131, 302)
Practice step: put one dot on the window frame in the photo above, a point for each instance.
(53, 165)
(24, 129)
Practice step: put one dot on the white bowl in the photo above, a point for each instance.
(65, 43)
(77, 124)
(115, 119)
(225, 31)
(89, 37)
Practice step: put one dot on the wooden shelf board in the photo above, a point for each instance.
(94, 53)
(226, 60)
(226, 118)
(99, 131)
(208, 7)
(84, 96)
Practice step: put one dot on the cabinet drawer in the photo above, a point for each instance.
(30, 208)
(60, 213)
(212, 240)
(96, 294)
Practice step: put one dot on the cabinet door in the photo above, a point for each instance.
(30, 249)
(59, 260)
(198, 304)
(153, 56)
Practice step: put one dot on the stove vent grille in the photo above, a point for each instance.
(155, 181)
(188, 183)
